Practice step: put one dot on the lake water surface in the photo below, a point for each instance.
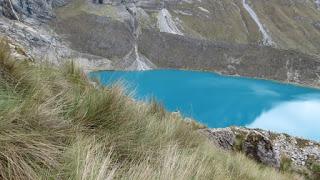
(220, 101)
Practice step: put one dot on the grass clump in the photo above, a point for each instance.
(55, 124)
(286, 163)
(315, 168)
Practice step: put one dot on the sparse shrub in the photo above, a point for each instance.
(156, 108)
(285, 163)
(315, 167)
(194, 124)
(239, 140)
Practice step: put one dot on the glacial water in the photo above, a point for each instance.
(220, 101)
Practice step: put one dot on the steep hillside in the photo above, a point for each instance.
(220, 36)
(56, 125)
(283, 24)
(233, 37)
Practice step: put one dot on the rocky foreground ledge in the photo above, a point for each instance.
(278, 150)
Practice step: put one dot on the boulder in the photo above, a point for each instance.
(260, 148)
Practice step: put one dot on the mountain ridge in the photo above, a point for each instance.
(122, 34)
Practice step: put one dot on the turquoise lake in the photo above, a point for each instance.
(221, 101)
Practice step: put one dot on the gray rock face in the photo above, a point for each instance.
(8, 10)
(37, 41)
(39, 9)
(224, 138)
(22, 24)
(266, 147)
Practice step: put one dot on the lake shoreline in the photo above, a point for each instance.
(214, 72)
(262, 104)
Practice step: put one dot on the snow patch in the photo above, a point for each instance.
(183, 13)
(166, 23)
(267, 40)
(204, 10)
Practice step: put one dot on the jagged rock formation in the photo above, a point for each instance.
(273, 149)
(40, 10)
(24, 24)
(8, 10)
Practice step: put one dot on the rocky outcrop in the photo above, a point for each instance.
(260, 148)
(8, 10)
(272, 149)
(41, 10)
(223, 138)
(36, 41)
(23, 25)
(39, 44)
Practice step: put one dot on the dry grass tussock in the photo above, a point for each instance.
(54, 124)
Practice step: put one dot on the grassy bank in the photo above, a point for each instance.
(54, 124)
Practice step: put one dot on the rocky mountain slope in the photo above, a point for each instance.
(284, 24)
(276, 40)
(25, 25)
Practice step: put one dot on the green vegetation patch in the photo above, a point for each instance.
(286, 163)
(81, 6)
